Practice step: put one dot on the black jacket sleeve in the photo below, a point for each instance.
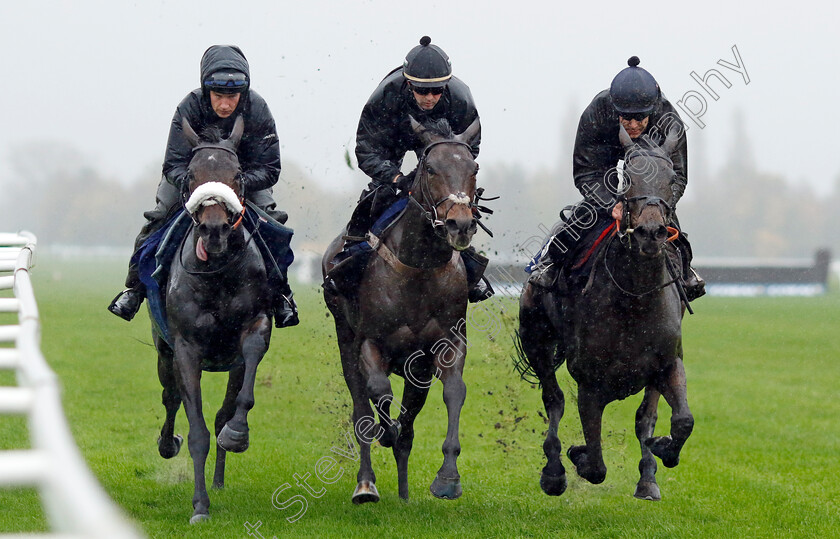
(376, 152)
(259, 152)
(178, 150)
(597, 151)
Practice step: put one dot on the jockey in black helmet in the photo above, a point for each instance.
(424, 88)
(224, 94)
(634, 101)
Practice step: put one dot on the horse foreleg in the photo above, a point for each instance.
(447, 483)
(588, 459)
(169, 444)
(198, 440)
(539, 343)
(414, 397)
(646, 488)
(234, 385)
(553, 475)
(234, 435)
(379, 392)
(362, 414)
(668, 448)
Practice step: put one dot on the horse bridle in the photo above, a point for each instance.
(428, 206)
(623, 227)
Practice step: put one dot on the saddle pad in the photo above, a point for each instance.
(583, 251)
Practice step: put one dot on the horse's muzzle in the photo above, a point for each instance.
(459, 232)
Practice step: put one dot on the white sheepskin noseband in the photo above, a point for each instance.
(211, 193)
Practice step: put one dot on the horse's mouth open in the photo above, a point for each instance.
(200, 251)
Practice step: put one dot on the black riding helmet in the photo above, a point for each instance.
(634, 90)
(224, 69)
(427, 66)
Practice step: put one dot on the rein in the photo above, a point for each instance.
(628, 292)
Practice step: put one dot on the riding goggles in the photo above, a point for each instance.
(436, 90)
(227, 82)
(638, 116)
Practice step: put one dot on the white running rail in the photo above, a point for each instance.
(75, 504)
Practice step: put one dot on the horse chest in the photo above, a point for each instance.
(622, 351)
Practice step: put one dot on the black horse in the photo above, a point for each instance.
(217, 313)
(618, 329)
(410, 300)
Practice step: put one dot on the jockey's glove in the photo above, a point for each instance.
(405, 181)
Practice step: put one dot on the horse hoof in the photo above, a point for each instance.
(365, 492)
(663, 447)
(201, 517)
(647, 490)
(553, 485)
(446, 488)
(392, 432)
(580, 458)
(233, 441)
(169, 450)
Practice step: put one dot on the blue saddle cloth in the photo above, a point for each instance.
(156, 254)
(385, 220)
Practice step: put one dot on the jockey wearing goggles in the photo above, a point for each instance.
(225, 94)
(635, 102)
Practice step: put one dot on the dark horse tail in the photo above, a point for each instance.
(523, 366)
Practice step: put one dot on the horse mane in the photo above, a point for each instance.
(439, 127)
(212, 134)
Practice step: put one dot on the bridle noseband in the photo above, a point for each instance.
(234, 220)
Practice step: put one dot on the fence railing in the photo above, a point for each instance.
(73, 501)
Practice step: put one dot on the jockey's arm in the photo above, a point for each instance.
(260, 159)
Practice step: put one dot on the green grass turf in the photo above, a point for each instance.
(762, 378)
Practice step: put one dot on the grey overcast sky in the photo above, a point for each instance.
(105, 76)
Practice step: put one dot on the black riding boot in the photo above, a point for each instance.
(128, 302)
(693, 284)
(285, 310)
(478, 285)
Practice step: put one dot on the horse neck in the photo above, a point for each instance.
(415, 243)
(237, 241)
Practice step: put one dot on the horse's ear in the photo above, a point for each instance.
(189, 133)
(416, 126)
(670, 143)
(625, 139)
(238, 129)
(470, 132)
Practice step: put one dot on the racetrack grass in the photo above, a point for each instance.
(763, 376)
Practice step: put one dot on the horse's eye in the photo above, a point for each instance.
(429, 170)
(476, 169)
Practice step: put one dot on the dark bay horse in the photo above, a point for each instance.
(619, 330)
(409, 314)
(217, 313)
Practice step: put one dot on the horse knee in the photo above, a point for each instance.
(681, 427)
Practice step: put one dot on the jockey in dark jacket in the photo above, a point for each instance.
(425, 89)
(634, 101)
(225, 94)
